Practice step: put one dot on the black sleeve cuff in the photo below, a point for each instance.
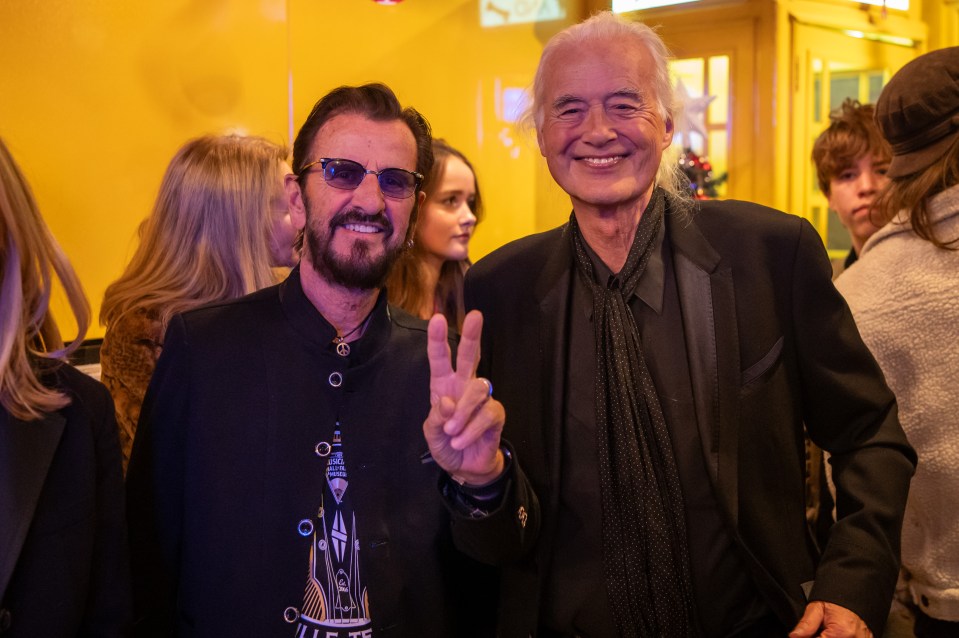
(477, 501)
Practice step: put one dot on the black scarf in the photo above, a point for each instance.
(645, 553)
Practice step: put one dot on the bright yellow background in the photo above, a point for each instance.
(97, 95)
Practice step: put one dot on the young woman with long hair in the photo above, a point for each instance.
(64, 566)
(428, 279)
(218, 227)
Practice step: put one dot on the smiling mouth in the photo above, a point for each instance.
(362, 228)
(355, 221)
(601, 162)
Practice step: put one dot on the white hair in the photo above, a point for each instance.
(607, 27)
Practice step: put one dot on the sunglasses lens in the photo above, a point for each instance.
(395, 182)
(344, 174)
(348, 175)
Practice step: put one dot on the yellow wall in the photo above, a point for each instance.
(96, 96)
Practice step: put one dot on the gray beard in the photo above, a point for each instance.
(358, 271)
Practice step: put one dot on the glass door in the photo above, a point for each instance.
(715, 75)
(831, 65)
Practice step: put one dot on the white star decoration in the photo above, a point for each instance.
(692, 119)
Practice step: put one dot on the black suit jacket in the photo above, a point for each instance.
(224, 468)
(771, 346)
(64, 567)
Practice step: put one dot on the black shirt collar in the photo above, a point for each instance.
(652, 284)
(314, 327)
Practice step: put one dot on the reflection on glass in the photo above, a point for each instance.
(718, 155)
(902, 5)
(515, 102)
(706, 76)
(622, 6)
(497, 13)
(719, 86)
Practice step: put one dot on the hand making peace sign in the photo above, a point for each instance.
(465, 422)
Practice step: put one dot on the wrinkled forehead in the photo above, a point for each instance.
(372, 143)
(595, 69)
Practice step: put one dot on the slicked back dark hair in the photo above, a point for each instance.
(376, 102)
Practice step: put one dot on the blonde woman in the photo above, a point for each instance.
(429, 277)
(218, 226)
(63, 555)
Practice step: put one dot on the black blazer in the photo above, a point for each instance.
(772, 346)
(224, 468)
(64, 567)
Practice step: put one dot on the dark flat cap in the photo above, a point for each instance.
(918, 111)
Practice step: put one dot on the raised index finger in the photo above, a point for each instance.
(468, 351)
(438, 349)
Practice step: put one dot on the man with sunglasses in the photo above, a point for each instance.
(278, 484)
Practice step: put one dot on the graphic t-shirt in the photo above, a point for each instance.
(335, 603)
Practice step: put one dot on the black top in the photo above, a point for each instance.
(851, 258)
(230, 469)
(64, 565)
(575, 600)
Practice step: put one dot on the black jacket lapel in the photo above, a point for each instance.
(26, 451)
(551, 294)
(707, 298)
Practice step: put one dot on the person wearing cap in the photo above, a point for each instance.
(904, 295)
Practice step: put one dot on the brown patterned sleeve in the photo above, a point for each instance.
(128, 356)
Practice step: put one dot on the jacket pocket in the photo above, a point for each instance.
(764, 366)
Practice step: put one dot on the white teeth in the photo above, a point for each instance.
(361, 228)
(602, 161)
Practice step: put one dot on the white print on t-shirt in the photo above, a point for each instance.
(335, 603)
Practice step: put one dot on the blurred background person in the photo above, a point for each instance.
(428, 279)
(64, 566)
(904, 295)
(219, 225)
(851, 159)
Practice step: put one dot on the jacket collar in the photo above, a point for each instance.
(316, 330)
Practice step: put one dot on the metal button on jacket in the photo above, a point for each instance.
(336, 379)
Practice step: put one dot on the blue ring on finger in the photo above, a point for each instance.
(489, 386)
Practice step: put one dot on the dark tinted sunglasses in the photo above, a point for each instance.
(345, 174)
